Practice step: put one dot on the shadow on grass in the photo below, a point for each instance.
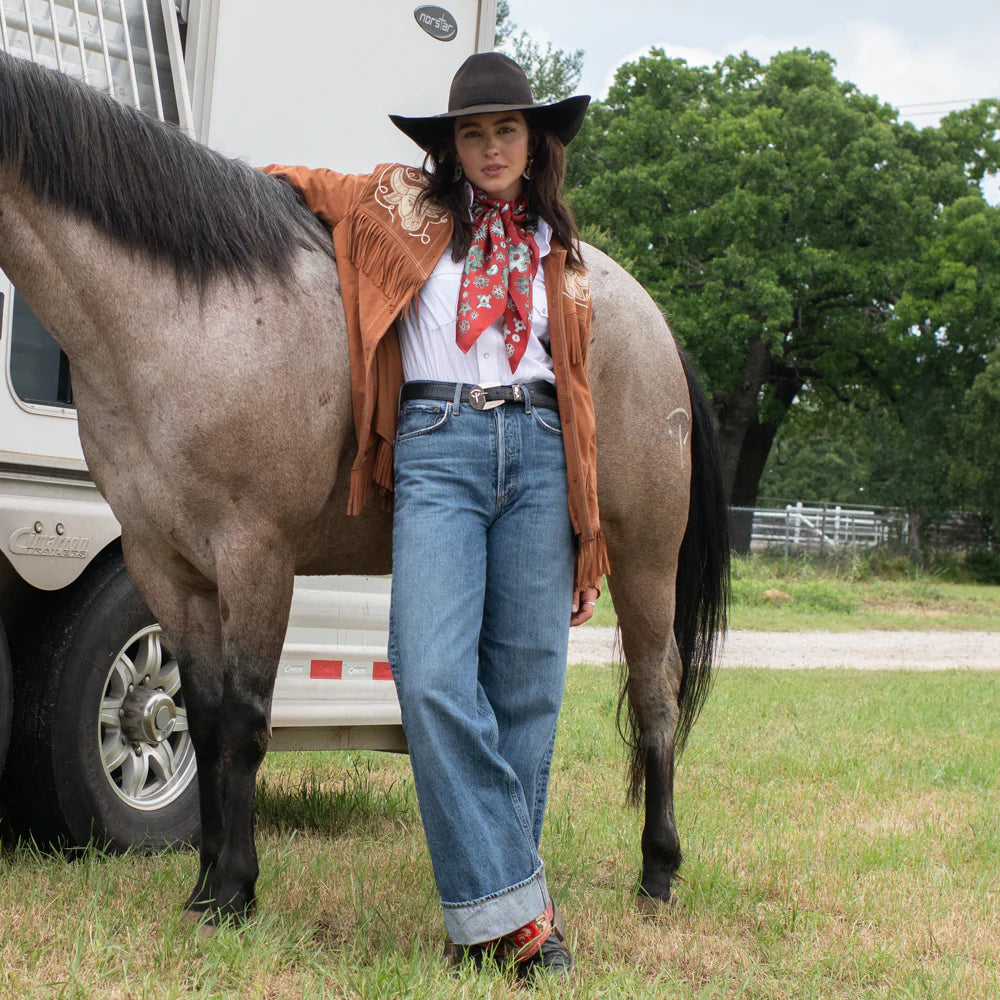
(321, 800)
(334, 804)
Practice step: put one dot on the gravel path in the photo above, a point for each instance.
(870, 650)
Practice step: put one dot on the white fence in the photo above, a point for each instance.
(824, 528)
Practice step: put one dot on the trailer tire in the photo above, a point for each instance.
(100, 751)
(6, 696)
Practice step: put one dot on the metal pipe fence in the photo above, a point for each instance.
(820, 528)
(831, 529)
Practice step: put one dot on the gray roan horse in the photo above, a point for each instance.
(198, 302)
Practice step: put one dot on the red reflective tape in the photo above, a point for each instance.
(332, 670)
(381, 671)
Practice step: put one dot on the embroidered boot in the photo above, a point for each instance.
(539, 947)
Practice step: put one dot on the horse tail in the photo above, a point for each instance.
(702, 586)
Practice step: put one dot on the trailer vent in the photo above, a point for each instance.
(131, 49)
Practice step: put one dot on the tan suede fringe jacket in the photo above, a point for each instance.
(387, 246)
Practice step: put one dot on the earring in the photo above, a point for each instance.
(526, 173)
(457, 176)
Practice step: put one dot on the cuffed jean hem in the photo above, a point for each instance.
(497, 914)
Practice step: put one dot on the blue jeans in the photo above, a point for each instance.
(482, 552)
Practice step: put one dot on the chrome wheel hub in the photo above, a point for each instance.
(148, 716)
(145, 745)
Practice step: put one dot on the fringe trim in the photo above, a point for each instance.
(383, 466)
(574, 346)
(591, 562)
(374, 251)
(362, 487)
(373, 475)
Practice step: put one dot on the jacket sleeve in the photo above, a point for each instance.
(328, 194)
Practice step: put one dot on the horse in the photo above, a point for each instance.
(198, 302)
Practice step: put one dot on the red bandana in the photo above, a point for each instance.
(501, 265)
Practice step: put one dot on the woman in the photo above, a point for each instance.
(468, 313)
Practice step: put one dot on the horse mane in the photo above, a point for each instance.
(146, 183)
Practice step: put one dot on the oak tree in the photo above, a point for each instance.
(778, 215)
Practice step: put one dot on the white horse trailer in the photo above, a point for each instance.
(90, 697)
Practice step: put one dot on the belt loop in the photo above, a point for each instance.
(457, 401)
(527, 396)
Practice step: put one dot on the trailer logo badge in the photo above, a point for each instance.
(437, 22)
(30, 542)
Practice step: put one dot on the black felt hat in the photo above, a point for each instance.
(488, 82)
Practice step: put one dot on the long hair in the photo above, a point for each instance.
(146, 184)
(543, 190)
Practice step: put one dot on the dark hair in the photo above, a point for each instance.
(543, 190)
(145, 183)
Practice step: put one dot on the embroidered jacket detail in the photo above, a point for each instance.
(576, 285)
(397, 191)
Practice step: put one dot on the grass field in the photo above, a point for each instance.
(841, 832)
(775, 595)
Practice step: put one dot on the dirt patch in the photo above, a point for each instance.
(869, 650)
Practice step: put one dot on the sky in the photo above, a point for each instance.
(922, 57)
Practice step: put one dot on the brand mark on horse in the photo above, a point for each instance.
(679, 426)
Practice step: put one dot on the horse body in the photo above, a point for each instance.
(215, 414)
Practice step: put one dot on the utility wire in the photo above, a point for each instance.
(960, 101)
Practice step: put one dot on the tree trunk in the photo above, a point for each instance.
(744, 440)
(914, 541)
(737, 410)
(753, 457)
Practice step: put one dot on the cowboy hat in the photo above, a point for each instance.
(488, 82)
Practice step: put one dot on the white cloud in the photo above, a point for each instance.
(923, 79)
(879, 59)
(692, 55)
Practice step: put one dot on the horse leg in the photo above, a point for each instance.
(229, 642)
(651, 699)
(253, 602)
(667, 531)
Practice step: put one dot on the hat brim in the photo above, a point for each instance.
(562, 118)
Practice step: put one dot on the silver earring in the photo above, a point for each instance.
(458, 173)
(526, 173)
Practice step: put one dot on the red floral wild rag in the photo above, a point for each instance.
(499, 269)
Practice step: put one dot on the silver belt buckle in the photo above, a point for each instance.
(478, 400)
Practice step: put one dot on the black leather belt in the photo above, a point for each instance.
(484, 397)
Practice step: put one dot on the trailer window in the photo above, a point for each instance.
(39, 370)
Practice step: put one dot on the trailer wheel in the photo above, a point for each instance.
(100, 750)
(6, 696)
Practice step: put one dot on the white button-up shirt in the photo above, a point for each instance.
(427, 331)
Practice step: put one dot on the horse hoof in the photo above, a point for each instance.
(653, 907)
(211, 916)
(205, 929)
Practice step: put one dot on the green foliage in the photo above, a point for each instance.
(886, 564)
(984, 565)
(554, 73)
(806, 246)
(823, 454)
(975, 435)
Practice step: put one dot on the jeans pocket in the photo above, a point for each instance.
(548, 420)
(419, 417)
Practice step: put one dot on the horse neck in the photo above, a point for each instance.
(77, 281)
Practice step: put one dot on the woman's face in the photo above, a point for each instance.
(493, 150)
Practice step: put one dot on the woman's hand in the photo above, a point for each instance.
(583, 605)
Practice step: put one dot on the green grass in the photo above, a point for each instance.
(771, 594)
(774, 595)
(841, 833)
